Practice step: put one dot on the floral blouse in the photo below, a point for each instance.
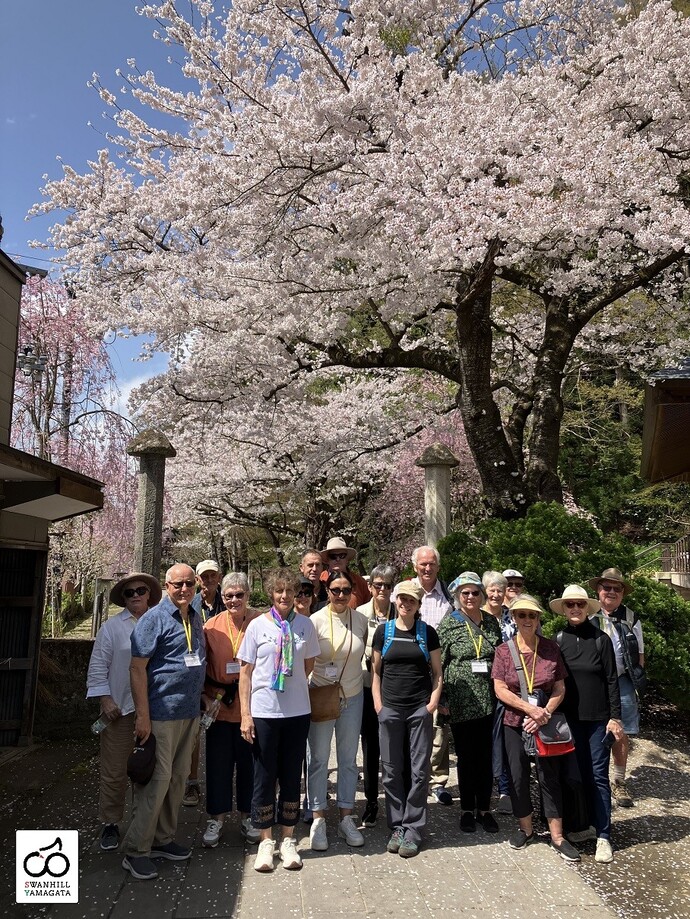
(467, 653)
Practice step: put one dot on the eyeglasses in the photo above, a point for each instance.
(526, 615)
(572, 604)
(238, 596)
(337, 556)
(611, 588)
(132, 591)
(305, 592)
(377, 585)
(469, 593)
(178, 585)
(341, 591)
(515, 583)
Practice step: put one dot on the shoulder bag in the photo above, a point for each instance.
(327, 701)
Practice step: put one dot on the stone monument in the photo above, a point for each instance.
(436, 461)
(152, 448)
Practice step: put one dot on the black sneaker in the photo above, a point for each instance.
(140, 867)
(488, 823)
(442, 796)
(396, 840)
(566, 851)
(467, 822)
(110, 837)
(172, 851)
(520, 840)
(371, 812)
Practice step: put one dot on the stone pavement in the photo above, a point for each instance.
(55, 786)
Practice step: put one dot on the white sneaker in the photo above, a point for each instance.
(250, 833)
(349, 832)
(318, 838)
(289, 855)
(264, 857)
(604, 853)
(213, 830)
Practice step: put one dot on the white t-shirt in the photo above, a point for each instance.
(259, 648)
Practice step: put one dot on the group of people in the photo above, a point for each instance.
(403, 667)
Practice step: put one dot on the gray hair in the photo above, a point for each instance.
(489, 578)
(385, 572)
(419, 549)
(235, 579)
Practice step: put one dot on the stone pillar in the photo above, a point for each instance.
(152, 448)
(436, 461)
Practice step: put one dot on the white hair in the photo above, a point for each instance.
(419, 549)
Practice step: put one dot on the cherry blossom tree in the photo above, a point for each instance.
(454, 190)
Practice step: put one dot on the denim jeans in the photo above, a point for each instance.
(593, 760)
(347, 729)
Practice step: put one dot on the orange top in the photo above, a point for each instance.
(223, 641)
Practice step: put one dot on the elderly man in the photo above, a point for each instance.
(311, 567)
(624, 629)
(108, 681)
(336, 557)
(167, 676)
(436, 603)
(208, 603)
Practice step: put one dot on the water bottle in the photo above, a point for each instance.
(210, 714)
(100, 725)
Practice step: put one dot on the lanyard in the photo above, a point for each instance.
(477, 644)
(528, 678)
(240, 636)
(187, 625)
(335, 650)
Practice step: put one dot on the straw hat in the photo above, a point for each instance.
(525, 602)
(575, 592)
(337, 544)
(155, 590)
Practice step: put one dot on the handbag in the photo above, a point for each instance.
(141, 762)
(327, 701)
(554, 738)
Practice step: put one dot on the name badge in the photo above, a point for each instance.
(480, 666)
(232, 667)
(533, 701)
(331, 672)
(192, 660)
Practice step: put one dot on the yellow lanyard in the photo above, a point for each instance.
(477, 644)
(188, 632)
(528, 678)
(240, 636)
(335, 650)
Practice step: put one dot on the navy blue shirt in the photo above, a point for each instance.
(174, 688)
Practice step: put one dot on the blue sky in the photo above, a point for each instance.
(48, 51)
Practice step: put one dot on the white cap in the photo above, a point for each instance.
(207, 565)
(508, 573)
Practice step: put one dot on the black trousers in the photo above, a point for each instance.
(228, 754)
(371, 751)
(280, 746)
(548, 773)
(474, 749)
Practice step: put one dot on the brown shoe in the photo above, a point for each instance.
(621, 795)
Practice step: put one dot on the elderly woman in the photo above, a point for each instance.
(468, 638)
(379, 609)
(406, 687)
(342, 634)
(592, 705)
(277, 656)
(226, 751)
(544, 673)
(108, 681)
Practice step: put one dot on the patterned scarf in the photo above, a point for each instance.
(284, 650)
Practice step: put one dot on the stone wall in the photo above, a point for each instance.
(62, 709)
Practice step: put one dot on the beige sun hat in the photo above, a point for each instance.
(337, 544)
(610, 574)
(525, 602)
(409, 589)
(575, 592)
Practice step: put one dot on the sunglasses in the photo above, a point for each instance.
(575, 604)
(526, 615)
(341, 591)
(178, 585)
(337, 556)
(515, 583)
(134, 591)
(305, 592)
(469, 593)
(611, 588)
(238, 596)
(380, 586)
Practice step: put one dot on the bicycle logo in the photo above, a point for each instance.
(60, 862)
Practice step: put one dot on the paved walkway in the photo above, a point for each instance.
(55, 786)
